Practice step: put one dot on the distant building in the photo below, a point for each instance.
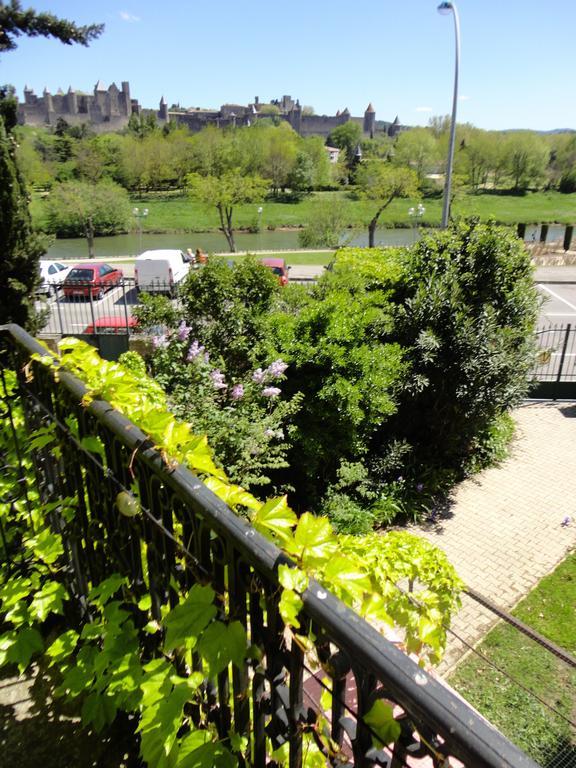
(109, 109)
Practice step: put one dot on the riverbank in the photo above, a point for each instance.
(179, 215)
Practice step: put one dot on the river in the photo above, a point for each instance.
(214, 242)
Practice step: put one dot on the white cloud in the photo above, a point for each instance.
(126, 16)
(423, 109)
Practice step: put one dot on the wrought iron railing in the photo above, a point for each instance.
(224, 550)
(554, 373)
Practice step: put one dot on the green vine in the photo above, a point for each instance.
(397, 581)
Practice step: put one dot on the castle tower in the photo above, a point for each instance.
(163, 111)
(28, 95)
(125, 104)
(48, 107)
(112, 109)
(295, 117)
(370, 121)
(71, 101)
(395, 127)
(344, 115)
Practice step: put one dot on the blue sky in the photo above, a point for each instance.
(517, 68)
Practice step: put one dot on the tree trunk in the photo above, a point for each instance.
(372, 231)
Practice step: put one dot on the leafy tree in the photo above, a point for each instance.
(383, 183)
(21, 248)
(416, 149)
(81, 208)
(347, 137)
(527, 157)
(280, 156)
(15, 22)
(327, 222)
(225, 193)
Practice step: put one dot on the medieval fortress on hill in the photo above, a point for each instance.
(109, 109)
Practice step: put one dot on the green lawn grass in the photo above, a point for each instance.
(173, 213)
(550, 610)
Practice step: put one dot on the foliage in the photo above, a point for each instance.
(383, 182)
(225, 305)
(155, 312)
(15, 22)
(21, 248)
(226, 192)
(323, 230)
(347, 137)
(82, 208)
(127, 657)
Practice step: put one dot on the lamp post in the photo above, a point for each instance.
(260, 209)
(139, 215)
(445, 9)
(416, 214)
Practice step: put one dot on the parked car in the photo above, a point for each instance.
(91, 278)
(51, 273)
(114, 324)
(279, 268)
(160, 271)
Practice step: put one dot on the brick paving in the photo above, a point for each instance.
(504, 529)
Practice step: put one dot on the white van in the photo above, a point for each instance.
(160, 271)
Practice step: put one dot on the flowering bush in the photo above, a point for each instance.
(246, 417)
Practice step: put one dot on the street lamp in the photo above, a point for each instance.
(139, 215)
(445, 9)
(416, 214)
(260, 209)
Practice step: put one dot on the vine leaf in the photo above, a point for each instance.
(233, 495)
(210, 755)
(185, 622)
(101, 594)
(275, 516)
(98, 709)
(381, 721)
(314, 539)
(62, 647)
(46, 545)
(19, 647)
(290, 606)
(222, 643)
(48, 600)
(159, 727)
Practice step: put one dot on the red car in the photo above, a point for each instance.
(278, 266)
(91, 278)
(112, 324)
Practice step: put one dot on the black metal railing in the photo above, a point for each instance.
(554, 374)
(224, 550)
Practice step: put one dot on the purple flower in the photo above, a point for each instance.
(237, 392)
(160, 342)
(258, 376)
(566, 521)
(420, 487)
(271, 391)
(195, 350)
(218, 379)
(276, 368)
(183, 331)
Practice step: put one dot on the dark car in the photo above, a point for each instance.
(91, 278)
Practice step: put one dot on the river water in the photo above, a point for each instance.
(214, 242)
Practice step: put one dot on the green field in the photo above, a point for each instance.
(179, 214)
(544, 735)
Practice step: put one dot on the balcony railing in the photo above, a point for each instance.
(277, 700)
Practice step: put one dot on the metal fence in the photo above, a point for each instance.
(554, 374)
(274, 701)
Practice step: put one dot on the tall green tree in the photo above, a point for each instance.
(527, 156)
(382, 183)
(416, 149)
(225, 193)
(21, 248)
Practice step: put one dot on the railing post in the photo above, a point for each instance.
(563, 354)
(57, 295)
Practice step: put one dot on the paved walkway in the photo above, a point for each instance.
(508, 527)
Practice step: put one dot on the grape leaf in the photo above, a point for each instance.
(185, 622)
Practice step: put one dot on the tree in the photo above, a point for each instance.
(15, 22)
(225, 192)
(78, 207)
(347, 137)
(328, 220)
(383, 182)
(21, 248)
(527, 157)
(417, 149)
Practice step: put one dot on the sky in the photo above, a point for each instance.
(517, 62)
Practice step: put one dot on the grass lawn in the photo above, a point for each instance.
(550, 610)
(175, 213)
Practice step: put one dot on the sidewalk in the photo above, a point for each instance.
(504, 530)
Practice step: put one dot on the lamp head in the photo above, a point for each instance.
(445, 8)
